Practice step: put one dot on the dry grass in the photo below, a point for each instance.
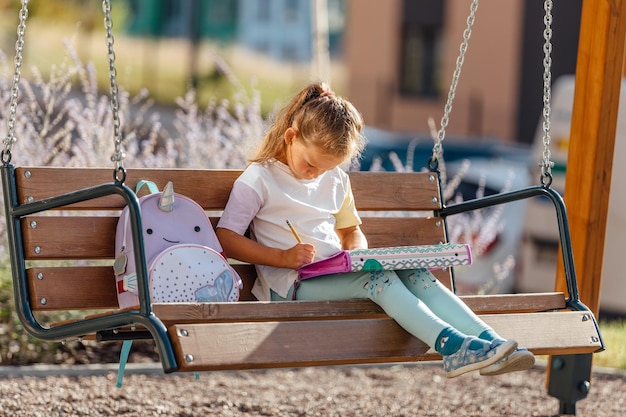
(614, 336)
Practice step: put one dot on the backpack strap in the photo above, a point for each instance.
(124, 285)
(123, 360)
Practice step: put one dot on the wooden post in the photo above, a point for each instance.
(588, 176)
(592, 140)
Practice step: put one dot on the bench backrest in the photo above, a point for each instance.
(70, 253)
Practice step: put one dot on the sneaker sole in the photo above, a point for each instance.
(502, 351)
(517, 361)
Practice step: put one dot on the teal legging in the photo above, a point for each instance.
(415, 299)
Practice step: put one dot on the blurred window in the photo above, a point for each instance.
(263, 11)
(422, 28)
(292, 10)
(290, 52)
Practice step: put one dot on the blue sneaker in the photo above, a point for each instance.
(466, 359)
(520, 360)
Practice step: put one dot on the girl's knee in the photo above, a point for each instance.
(378, 282)
(420, 279)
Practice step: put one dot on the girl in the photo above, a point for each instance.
(296, 175)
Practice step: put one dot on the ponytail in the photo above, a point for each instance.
(321, 118)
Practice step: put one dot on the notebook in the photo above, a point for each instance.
(391, 258)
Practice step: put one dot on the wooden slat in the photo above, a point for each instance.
(395, 190)
(285, 344)
(556, 333)
(170, 313)
(177, 313)
(69, 237)
(403, 231)
(92, 287)
(211, 188)
(76, 288)
(173, 313)
(335, 342)
(515, 303)
(93, 237)
(247, 273)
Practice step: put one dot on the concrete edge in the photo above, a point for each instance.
(45, 370)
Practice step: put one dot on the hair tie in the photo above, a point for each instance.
(327, 92)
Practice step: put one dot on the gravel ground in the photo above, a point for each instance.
(409, 390)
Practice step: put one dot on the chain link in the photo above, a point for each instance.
(546, 164)
(15, 89)
(441, 134)
(118, 156)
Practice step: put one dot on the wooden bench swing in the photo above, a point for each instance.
(61, 226)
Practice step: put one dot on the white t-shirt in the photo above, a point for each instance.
(266, 195)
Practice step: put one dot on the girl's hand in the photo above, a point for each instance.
(299, 255)
(247, 250)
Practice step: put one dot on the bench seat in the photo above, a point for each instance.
(64, 258)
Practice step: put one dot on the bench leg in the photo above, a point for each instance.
(569, 380)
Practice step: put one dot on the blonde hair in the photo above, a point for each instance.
(320, 118)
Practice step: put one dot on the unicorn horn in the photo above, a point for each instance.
(166, 202)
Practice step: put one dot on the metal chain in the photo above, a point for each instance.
(546, 164)
(441, 134)
(118, 156)
(15, 89)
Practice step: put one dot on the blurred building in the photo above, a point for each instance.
(281, 29)
(214, 19)
(401, 55)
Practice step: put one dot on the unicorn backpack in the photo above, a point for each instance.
(184, 258)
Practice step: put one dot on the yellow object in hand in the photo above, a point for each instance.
(294, 231)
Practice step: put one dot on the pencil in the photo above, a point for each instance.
(294, 231)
